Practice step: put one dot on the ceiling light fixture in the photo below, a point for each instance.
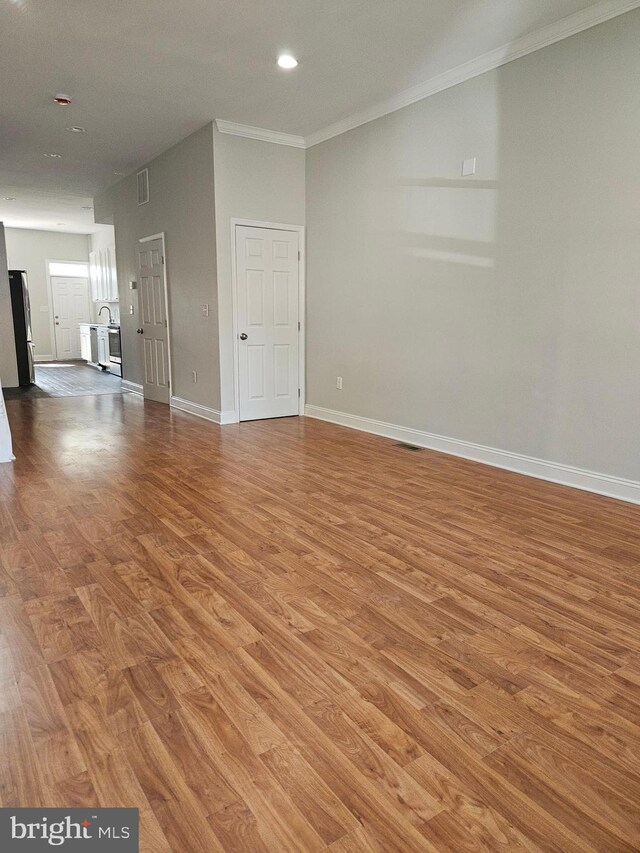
(9, 198)
(87, 208)
(76, 129)
(55, 156)
(62, 100)
(61, 223)
(285, 60)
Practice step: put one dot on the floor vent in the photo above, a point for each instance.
(405, 446)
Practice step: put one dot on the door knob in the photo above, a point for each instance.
(244, 336)
(140, 331)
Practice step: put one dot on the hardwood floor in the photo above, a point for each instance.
(288, 636)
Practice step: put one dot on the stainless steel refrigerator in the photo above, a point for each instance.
(21, 309)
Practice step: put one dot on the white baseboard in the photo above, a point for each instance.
(201, 411)
(566, 475)
(134, 387)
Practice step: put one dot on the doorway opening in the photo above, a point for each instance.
(85, 330)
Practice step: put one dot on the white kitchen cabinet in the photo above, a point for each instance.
(102, 272)
(95, 275)
(85, 342)
(112, 276)
(103, 345)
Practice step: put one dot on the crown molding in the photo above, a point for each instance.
(260, 133)
(566, 27)
(580, 21)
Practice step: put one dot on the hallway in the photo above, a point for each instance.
(66, 379)
(289, 636)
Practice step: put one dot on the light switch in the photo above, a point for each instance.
(468, 167)
(205, 310)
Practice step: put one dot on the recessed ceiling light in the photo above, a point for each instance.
(88, 207)
(285, 60)
(76, 129)
(61, 223)
(9, 198)
(55, 156)
(62, 100)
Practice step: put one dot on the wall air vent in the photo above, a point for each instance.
(406, 446)
(143, 186)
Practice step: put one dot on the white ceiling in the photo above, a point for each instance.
(145, 74)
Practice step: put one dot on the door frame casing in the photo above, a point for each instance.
(159, 236)
(52, 322)
(276, 226)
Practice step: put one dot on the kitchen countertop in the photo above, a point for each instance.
(102, 325)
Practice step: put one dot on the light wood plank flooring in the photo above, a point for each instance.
(288, 636)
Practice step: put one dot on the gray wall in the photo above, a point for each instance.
(253, 180)
(30, 250)
(502, 309)
(8, 364)
(182, 205)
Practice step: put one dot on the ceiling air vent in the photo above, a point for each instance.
(143, 186)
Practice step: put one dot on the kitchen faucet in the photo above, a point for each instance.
(109, 310)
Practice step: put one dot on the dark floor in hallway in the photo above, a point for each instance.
(66, 379)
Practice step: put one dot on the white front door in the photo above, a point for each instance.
(153, 320)
(71, 307)
(267, 269)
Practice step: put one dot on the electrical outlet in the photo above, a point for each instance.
(131, 311)
(195, 375)
(339, 383)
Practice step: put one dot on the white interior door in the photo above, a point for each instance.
(71, 306)
(267, 269)
(153, 320)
